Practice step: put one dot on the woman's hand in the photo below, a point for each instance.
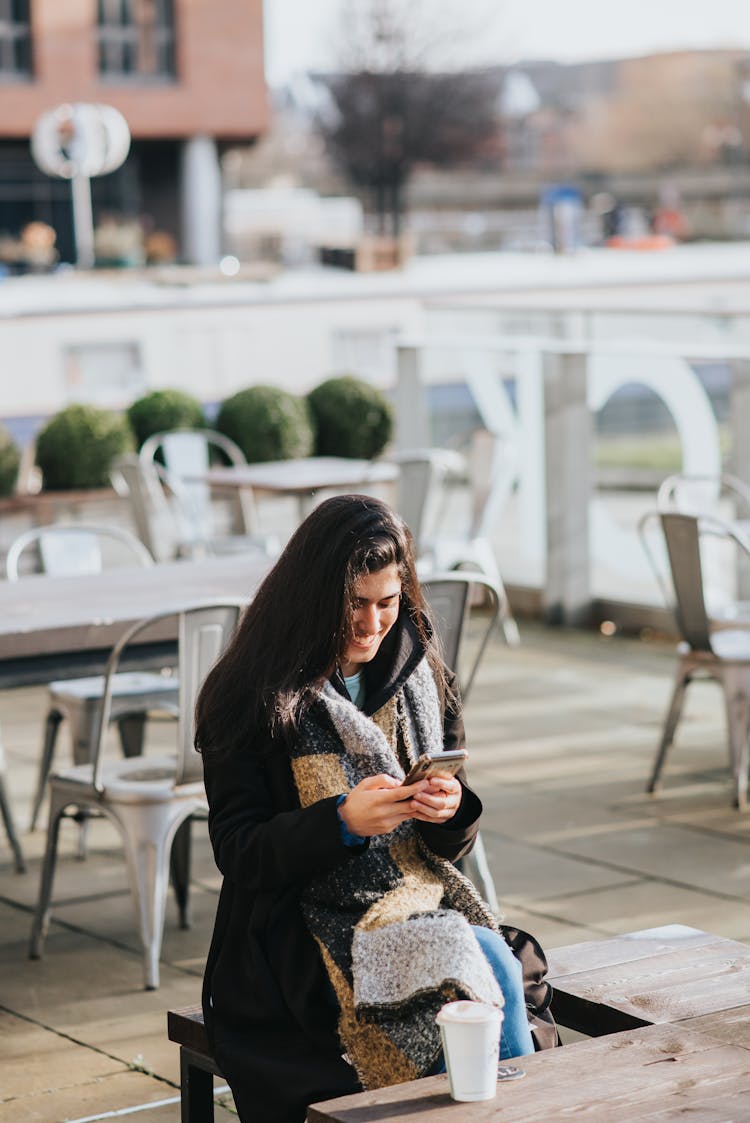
(379, 803)
(440, 799)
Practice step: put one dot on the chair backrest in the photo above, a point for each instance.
(203, 632)
(74, 549)
(703, 495)
(682, 541)
(450, 597)
(186, 450)
(491, 476)
(422, 472)
(162, 506)
(139, 483)
(416, 481)
(186, 455)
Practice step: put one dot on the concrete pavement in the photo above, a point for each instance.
(562, 732)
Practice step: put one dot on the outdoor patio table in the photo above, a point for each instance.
(303, 478)
(55, 627)
(659, 1072)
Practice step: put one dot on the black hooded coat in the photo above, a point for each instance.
(269, 1008)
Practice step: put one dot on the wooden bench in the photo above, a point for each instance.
(197, 1064)
(673, 975)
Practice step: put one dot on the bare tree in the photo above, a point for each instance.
(389, 110)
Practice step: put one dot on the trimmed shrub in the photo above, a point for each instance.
(351, 418)
(267, 423)
(75, 449)
(163, 410)
(10, 459)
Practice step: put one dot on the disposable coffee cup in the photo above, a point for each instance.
(471, 1040)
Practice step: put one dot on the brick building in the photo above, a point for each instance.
(186, 74)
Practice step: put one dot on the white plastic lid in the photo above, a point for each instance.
(466, 1011)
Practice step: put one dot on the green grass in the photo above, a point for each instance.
(659, 451)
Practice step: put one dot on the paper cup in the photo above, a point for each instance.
(471, 1042)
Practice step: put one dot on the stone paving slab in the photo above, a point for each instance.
(94, 1097)
(36, 1059)
(523, 874)
(649, 904)
(672, 852)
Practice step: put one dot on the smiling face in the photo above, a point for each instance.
(376, 604)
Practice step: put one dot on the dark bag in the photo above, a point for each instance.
(536, 989)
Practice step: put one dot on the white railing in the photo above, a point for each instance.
(556, 532)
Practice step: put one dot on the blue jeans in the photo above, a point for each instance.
(515, 1035)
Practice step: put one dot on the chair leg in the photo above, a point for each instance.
(51, 727)
(146, 830)
(179, 864)
(670, 725)
(84, 720)
(196, 1090)
(10, 827)
(131, 728)
(41, 916)
(477, 869)
(737, 705)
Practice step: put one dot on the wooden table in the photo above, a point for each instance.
(58, 626)
(659, 975)
(303, 478)
(672, 1008)
(656, 1073)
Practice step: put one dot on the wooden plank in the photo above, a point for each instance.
(617, 1078)
(732, 1026)
(186, 1027)
(621, 949)
(699, 1107)
(667, 987)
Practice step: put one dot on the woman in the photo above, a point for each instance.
(342, 925)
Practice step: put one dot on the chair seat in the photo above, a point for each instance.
(732, 644)
(124, 684)
(142, 779)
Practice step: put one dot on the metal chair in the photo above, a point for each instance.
(707, 650)
(450, 597)
(79, 549)
(722, 496)
(702, 495)
(75, 549)
(422, 473)
(149, 798)
(490, 472)
(186, 456)
(7, 816)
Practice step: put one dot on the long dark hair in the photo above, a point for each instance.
(298, 624)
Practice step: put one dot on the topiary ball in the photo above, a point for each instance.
(351, 418)
(75, 449)
(10, 459)
(164, 410)
(268, 423)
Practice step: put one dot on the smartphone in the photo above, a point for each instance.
(431, 763)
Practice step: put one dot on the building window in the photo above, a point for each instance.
(15, 37)
(136, 38)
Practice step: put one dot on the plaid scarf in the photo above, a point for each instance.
(393, 922)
